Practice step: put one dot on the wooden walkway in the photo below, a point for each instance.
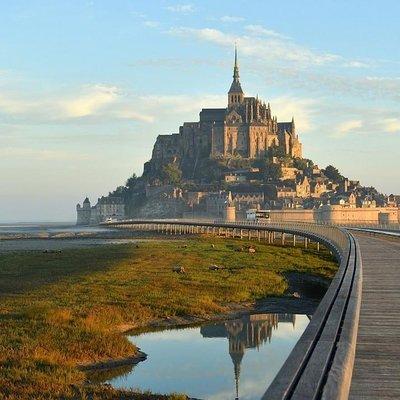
(376, 373)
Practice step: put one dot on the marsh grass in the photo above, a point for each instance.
(61, 309)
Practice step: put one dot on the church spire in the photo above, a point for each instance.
(235, 94)
(236, 67)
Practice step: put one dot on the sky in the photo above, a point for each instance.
(86, 87)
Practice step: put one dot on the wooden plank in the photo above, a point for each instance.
(376, 372)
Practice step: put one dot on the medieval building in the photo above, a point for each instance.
(246, 128)
(107, 208)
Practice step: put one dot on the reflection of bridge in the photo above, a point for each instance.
(249, 331)
(321, 364)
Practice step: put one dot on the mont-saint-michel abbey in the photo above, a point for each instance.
(245, 128)
(234, 159)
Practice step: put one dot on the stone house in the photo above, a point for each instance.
(303, 187)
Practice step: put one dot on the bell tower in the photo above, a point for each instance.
(235, 94)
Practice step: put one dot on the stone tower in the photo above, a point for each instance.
(235, 94)
(230, 209)
(83, 213)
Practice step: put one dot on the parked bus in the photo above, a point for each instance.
(258, 215)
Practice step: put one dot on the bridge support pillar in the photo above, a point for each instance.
(294, 240)
(283, 238)
(258, 235)
(305, 243)
(249, 233)
(317, 246)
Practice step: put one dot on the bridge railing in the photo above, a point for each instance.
(335, 238)
(320, 365)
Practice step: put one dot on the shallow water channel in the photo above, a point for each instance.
(236, 358)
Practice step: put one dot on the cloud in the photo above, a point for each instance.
(39, 106)
(302, 109)
(151, 24)
(356, 64)
(12, 105)
(89, 103)
(364, 120)
(260, 30)
(271, 49)
(42, 154)
(391, 125)
(348, 126)
(182, 104)
(128, 113)
(282, 61)
(230, 18)
(181, 8)
(177, 62)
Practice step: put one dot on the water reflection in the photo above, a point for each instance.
(250, 331)
(225, 360)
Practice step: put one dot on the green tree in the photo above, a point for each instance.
(276, 151)
(120, 191)
(333, 173)
(300, 163)
(131, 182)
(171, 174)
(273, 171)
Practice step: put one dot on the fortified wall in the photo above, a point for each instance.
(336, 214)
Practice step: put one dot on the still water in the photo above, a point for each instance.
(226, 360)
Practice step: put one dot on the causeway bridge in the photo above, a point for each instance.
(351, 347)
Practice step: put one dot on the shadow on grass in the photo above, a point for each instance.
(24, 271)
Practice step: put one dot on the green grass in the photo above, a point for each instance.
(61, 309)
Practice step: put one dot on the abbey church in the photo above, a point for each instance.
(245, 128)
